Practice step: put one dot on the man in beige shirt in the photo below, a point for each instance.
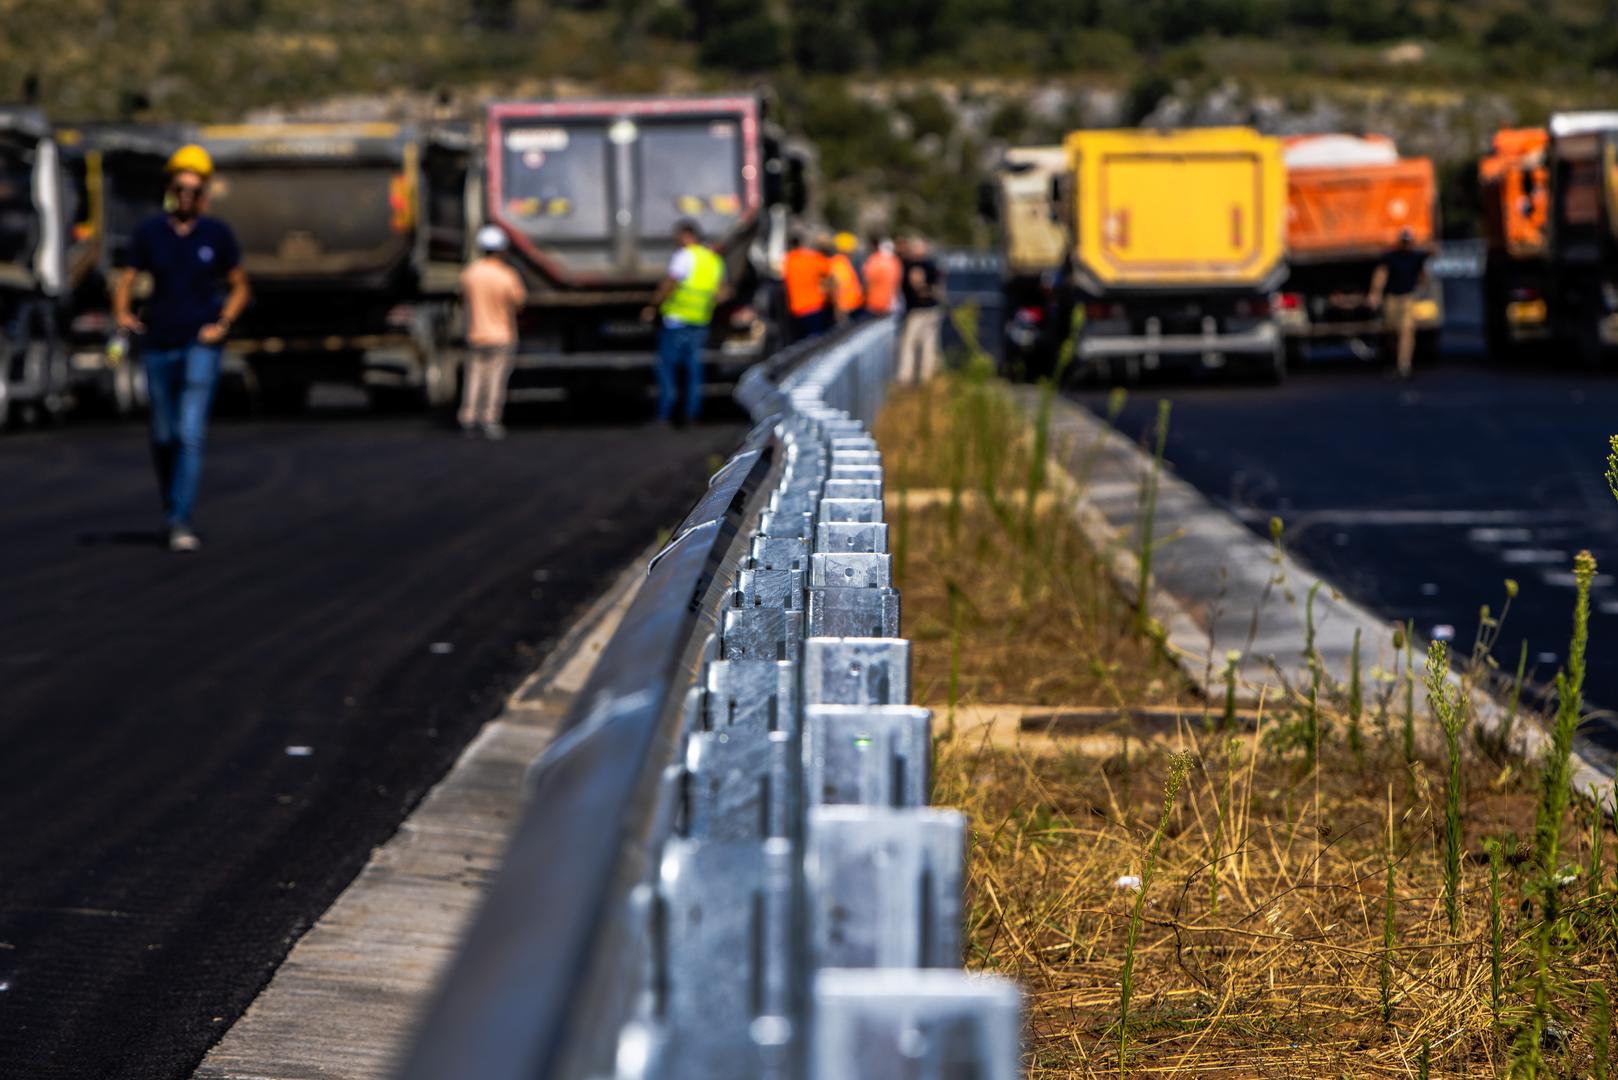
(493, 293)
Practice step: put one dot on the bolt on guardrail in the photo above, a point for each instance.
(790, 906)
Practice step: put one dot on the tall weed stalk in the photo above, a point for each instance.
(1179, 765)
(1448, 705)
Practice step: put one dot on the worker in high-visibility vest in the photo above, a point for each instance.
(808, 283)
(685, 299)
(848, 295)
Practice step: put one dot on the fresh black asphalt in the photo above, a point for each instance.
(197, 753)
(1419, 500)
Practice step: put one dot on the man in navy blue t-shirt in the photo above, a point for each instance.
(198, 290)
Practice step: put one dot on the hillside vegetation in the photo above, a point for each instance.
(908, 99)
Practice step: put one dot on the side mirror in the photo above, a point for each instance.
(1058, 197)
(774, 183)
(988, 202)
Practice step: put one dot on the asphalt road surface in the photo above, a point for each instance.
(1420, 499)
(197, 753)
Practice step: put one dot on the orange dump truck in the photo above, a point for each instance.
(1349, 200)
(1513, 182)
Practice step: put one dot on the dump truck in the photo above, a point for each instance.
(352, 235)
(1033, 247)
(589, 193)
(1514, 188)
(1349, 200)
(1581, 290)
(113, 177)
(1176, 249)
(33, 270)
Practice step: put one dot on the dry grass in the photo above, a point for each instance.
(1261, 947)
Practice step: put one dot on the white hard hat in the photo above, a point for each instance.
(492, 238)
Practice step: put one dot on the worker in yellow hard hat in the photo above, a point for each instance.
(848, 295)
(198, 292)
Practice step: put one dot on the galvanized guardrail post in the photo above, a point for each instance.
(786, 906)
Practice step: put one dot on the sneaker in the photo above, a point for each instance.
(494, 432)
(469, 431)
(183, 539)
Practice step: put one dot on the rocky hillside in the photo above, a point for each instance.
(909, 100)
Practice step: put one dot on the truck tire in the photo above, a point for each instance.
(1275, 370)
(1428, 344)
(283, 397)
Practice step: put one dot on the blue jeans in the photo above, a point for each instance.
(680, 347)
(180, 383)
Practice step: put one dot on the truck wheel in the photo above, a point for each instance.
(1427, 347)
(283, 397)
(1124, 370)
(1275, 366)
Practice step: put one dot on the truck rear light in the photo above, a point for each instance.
(1031, 315)
(1252, 309)
(1524, 293)
(1288, 301)
(743, 316)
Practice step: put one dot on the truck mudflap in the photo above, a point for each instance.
(1211, 345)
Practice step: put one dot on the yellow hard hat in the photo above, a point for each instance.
(846, 243)
(190, 158)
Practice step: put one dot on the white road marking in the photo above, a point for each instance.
(1533, 555)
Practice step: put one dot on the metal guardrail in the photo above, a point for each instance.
(727, 868)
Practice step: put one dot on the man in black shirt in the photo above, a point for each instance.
(919, 351)
(1394, 284)
(198, 290)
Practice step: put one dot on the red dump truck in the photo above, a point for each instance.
(589, 193)
(1349, 198)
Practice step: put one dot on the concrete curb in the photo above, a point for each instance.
(1216, 586)
(346, 1000)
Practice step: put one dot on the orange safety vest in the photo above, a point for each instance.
(805, 272)
(850, 297)
(882, 273)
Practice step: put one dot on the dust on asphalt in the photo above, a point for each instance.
(201, 751)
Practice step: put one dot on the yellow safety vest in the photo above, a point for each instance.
(693, 299)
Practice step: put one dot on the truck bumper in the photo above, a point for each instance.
(645, 360)
(1210, 348)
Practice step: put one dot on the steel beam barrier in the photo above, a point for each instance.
(728, 870)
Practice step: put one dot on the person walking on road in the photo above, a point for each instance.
(685, 299)
(198, 291)
(494, 293)
(1394, 284)
(919, 351)
(848, 295)
(808, 282)
(883, 272)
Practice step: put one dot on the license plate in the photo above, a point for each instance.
(1526, 311)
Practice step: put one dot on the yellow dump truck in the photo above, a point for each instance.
(1177, 249)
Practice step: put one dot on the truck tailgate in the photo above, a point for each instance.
(1190, 209)
(1356, 210)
